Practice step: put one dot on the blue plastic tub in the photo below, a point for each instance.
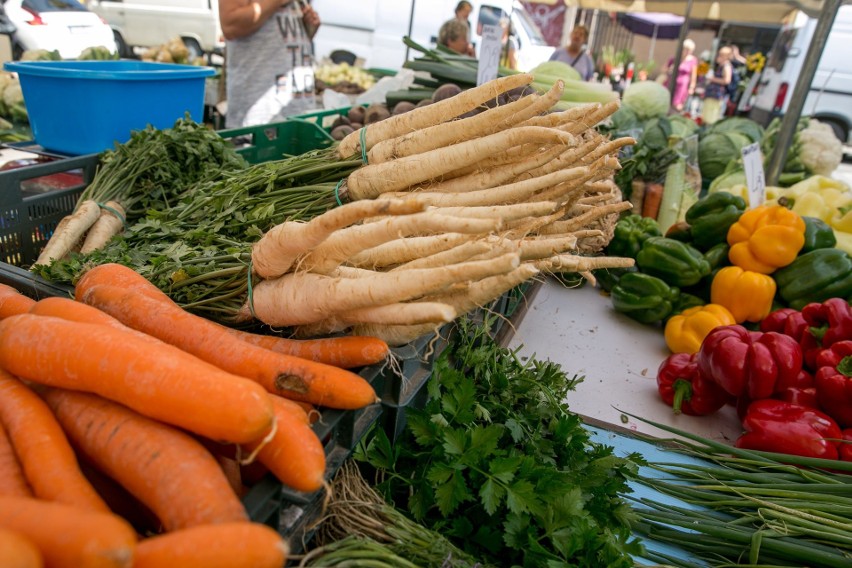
(84, 107)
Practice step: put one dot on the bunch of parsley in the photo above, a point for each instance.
(496, 462)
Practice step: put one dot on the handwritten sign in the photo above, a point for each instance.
(489, 54)
(755, 178)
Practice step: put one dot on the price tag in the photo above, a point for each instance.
(755, 179)
(489, 53)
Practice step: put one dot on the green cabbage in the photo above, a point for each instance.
(716, 150)
(623, 120)
(682, 127)
(648, 99)
(550, 71)
(657, 132)
(745, 126)
(728, 180)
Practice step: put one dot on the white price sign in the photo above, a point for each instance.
(489, 54)
(755, 178)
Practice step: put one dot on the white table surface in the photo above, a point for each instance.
(619, 357)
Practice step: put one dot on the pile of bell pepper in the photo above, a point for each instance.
(791, 380)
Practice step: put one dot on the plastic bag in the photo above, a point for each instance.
(376, 94)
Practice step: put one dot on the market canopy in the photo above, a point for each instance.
(754, 11)
(653, 24)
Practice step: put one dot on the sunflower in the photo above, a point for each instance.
(755, 62)
(703, 68)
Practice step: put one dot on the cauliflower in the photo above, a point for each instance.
(815, 150)
(819, 149)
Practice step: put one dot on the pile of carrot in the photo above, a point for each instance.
(449, 212)
(126, 424)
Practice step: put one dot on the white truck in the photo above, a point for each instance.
(373, 29)
(148, 23)
(830, 96)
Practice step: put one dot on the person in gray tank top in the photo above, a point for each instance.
(268, 59)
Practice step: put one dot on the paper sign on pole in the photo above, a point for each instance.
(489, 53)
(755, 178)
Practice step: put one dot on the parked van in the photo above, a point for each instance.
(373, 29)
(148, 23)
(830, 95)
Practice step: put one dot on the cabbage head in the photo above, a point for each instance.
(728, 180)
(745, 126)
(550, 71)
(624, 120)
(656, 133)
(648, 99)
(716, 150)
(682, 127)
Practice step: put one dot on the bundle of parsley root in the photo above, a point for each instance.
(447, 214)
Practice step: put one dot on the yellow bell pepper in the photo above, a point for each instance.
(772, 193)
(813, 205)
(747, 295)
(766, 238)
(685, 331)
(842, 220)
(815, 184)
(844, 241)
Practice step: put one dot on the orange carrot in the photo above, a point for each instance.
(157, 380)
(46, 457)
(236, 545)
(293, 377)
(653, 197)
(70, 537)
(13, 302)
(166, 469)
(346, 352)
(13, 483)
(71, 310)
(17, 551)
(295, 455)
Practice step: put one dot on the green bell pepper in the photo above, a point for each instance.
(815, 277)
(630, 232)
(717, 256)
(609, 277)
(643, 297)
(685, 301)
(675, 262)
(818, 235)
(711, 217)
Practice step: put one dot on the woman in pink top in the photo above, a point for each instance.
(687, 74)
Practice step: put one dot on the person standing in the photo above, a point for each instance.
(463, 10)
(268, 59)
(687, 75)
(716, 91)
(575, 53)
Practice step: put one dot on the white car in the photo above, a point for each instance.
(62, 25)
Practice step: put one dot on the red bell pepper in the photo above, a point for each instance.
(791, 322)
(833, 381)
(782, 427)
(846, 447)
(800, 391)
(830, 321)
(749, 363)
(682, 386)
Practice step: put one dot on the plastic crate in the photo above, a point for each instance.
(268, 142)
(110, 99)
(27, 218)
(323, 118)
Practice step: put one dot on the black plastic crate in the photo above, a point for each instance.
(29, 211)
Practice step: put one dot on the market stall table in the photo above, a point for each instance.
(619, 357)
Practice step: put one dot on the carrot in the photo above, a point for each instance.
(46, 457)
(294, 454)
(69, 230)
(17, 551)
(373, 180)
(166, 469)
(651, 202)
(13, 302)
(280, 247)
(157, 380)
(297, 299)
(346, 352)
(13, 483)
(70, 537)
(231, 469)
(236, 545)
(71, 310)
(289, 376)
(435, 113)
(110, 223)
